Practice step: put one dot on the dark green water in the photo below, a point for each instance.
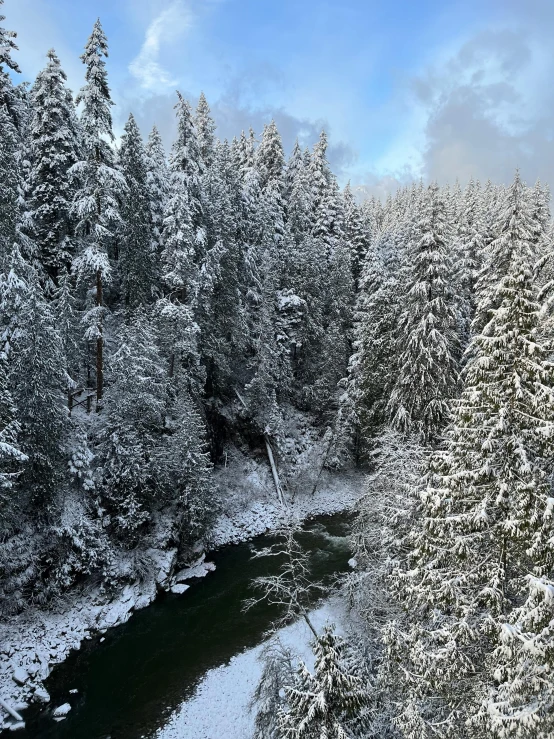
(130, 683)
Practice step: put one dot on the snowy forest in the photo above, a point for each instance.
(154, 309)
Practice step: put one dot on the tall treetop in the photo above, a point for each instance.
(95, 95)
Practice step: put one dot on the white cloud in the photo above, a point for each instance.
(164, 30)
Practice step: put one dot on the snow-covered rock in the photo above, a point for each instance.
(200, 568)
(179, 588)
(62, 710)
(20, 675)
(41, 695)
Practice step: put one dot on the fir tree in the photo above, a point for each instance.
(41, 404)
(158, 184)
(514, 229)
(137, 262)
(294, 165)
(10, 101)
(186, 174)
(54, 146)
(96, 202)
(354, 232)
(427, 337)
(130, 433)
(269, 158)
(9, 186)
(205, 128)
(330, 702)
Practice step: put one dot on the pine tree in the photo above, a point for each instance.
(130, 433)
(328, 703)
(158, 184)
(39, 399)
(205, 128)
(100, 185)
(10, 101)
(9, 185)
(186, 165)
(427, 336)
(137, 259)
(270, 158)
(54, 147)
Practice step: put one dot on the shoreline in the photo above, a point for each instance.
(34, 642)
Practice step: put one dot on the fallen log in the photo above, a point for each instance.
(13, 713)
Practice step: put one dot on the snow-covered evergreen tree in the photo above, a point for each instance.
(270, 158)
(9, 185)
(39, 399)
(54, 148)
(186, 167)
(131, 428)
(331, 701)
(485, 521)
(10, 101)
(355, 232)
(158, 184)
(205, 128)
(137, 258)
(99, 188)
(427, 333)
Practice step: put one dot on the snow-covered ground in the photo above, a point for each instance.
(220, 706)
(34, 642)
(251, 507)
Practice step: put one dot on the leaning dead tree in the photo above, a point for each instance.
(292, 588)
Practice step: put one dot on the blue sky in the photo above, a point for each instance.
(404, 88)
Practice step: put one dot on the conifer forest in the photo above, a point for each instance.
(192, 338)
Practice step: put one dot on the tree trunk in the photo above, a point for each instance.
(274, 472)
(99, 345)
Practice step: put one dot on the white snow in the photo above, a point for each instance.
(62, 710)
(179, 588)
(200, 568)
(20, 675)
(220, 707)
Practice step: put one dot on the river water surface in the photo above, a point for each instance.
(129, 684)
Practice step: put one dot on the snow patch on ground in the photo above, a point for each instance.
(220, 706)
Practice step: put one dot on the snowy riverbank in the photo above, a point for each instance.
(220, 706)
(34, 642)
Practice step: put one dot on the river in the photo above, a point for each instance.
(129, 683)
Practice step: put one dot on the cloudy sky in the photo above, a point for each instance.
(437, 89)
